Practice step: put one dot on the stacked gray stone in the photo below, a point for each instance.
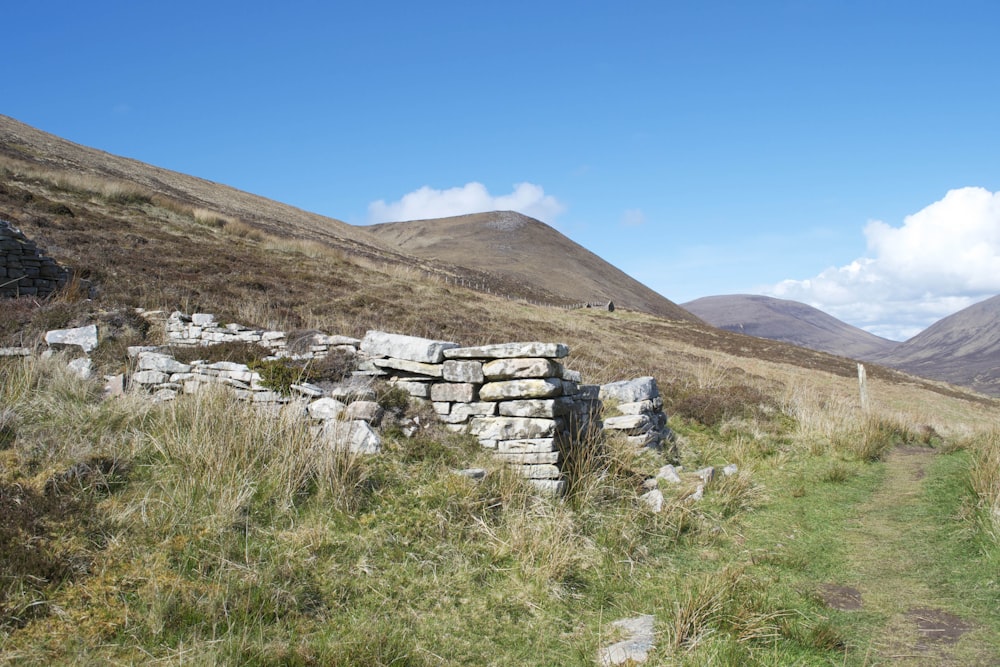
(344, 422)
(641, 419)
(202, 329)
(516, 398)
(165, 377)
(24, 268)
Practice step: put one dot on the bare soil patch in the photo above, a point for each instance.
(939, 626)
(842, 598)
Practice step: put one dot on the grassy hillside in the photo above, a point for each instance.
(202, 531)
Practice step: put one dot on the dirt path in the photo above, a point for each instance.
(890, 574)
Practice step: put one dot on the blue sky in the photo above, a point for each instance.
(790, 148)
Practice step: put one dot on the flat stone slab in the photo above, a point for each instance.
(546, 408)
(509, 351)
(633, 424)
(455, 370)
(522, 367)
(84, 337)
(511, 428)
(154, 361)
(520, 389)
(630, 391)
(458, 392)
(526, 445)
(410, 348)
(633, 650)
(415, 367)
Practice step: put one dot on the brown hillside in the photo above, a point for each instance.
(148, 245)
(525, 249)
(963, 348)
(789, 321)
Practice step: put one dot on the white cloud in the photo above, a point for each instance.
(526, 198)
(942, 259)
(633, 217)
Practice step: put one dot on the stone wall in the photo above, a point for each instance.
(24, 268)
(518, 399)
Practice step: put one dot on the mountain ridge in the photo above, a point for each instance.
(788, 321)
(523, 248)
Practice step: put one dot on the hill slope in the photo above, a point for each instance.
(524, 249)
(963, 349)
(151, 250)
(789, 321)
(23, 142)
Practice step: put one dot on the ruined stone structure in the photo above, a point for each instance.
(518, 399)
(24, 268)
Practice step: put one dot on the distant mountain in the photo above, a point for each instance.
(522, 249)
(791, 322)
(963, 349)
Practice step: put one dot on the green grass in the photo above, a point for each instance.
(206, 531)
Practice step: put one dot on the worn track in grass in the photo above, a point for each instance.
(895, 568)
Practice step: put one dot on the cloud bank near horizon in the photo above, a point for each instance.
(427, 202)
(943, 258)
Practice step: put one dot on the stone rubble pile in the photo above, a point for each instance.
(516, 398)
(641, 418)
(202, 329)
(24, 268)
(691, 486)
(345, 414)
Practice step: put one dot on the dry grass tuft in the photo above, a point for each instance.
(985, 479)
(729, 602)
(238, 229)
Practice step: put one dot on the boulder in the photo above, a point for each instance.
(81, 367)
(368, 411)
(654, 499)
(356, 436)
(529, 458)
(554, 487)
(150, 377)
(415, 389)
(669, 474)
(326, 408)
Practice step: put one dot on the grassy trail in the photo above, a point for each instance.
(905, 567)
